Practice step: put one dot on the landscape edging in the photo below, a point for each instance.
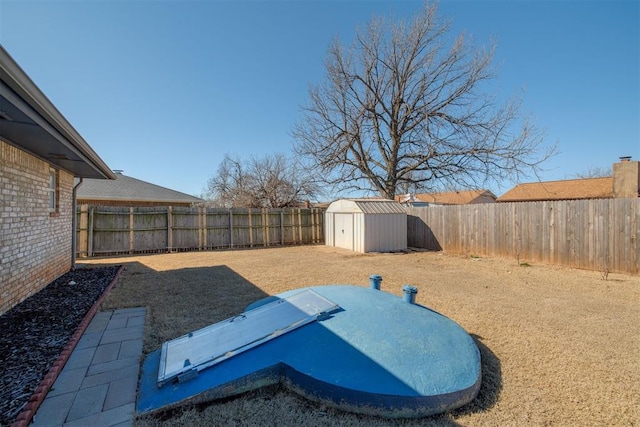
(24, 418)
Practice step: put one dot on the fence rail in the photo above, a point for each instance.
(106, 230)
(601, 235)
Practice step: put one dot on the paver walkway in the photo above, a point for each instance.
(97, 386)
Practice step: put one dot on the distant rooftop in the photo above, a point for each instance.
(128, 189)
(463, 197)
(573, 189)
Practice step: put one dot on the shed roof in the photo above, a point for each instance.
(586, 188)
(367, 206)
(131, 189)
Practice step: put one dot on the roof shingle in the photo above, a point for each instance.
(586, 188)
(463, 197)
(126, 188)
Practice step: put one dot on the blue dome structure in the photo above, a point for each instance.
(364, 351)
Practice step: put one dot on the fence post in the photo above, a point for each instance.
(82, 230)
(131, 230)
(90, 232)
(199, 228)
(313, 225)
(265, 227)
(205, 227)
(169, 228)
(300, 235)
(293, 227)
(282, 226)
(230, 228)
(250, 211)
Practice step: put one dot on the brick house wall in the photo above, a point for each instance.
(35, 244)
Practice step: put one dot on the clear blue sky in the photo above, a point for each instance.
(163, 89)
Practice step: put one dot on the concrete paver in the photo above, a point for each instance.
(68, 381)
(98, 384)
(106, 353)
(121, 392)
(89, 339)
(80, 358)
(54, 410)
(89, 402)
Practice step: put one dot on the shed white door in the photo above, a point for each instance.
(343, 230)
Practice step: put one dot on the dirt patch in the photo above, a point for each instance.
(559, 346)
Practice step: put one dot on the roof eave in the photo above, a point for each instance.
(19, 82)
(128, 199)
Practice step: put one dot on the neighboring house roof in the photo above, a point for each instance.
(29, 121)
(463, 197)
(586, 188)
(126, 188)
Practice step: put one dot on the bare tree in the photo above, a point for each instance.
(230, 186)
(273, 181)
(402, 108)
(595, 172)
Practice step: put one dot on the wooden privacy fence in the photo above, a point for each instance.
(601, 235)
(106, 230)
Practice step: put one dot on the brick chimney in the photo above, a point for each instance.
(626, 178)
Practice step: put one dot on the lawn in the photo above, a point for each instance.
(559, 346)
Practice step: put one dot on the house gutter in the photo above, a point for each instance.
(74, 221)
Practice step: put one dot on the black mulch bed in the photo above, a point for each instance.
(34, 333)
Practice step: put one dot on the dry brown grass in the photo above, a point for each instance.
(559, 346)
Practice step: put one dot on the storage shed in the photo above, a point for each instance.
(366, 225)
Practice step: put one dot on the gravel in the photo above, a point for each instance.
(35, 332)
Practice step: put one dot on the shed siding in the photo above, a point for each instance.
(385, 233)
(35, 247)
(329, 229)
(359, 232)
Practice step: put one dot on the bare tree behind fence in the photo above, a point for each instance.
(106, 230)
(601, 235)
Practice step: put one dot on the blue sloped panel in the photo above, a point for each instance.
(184, 356)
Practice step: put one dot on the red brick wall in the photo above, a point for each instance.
(35, 245)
